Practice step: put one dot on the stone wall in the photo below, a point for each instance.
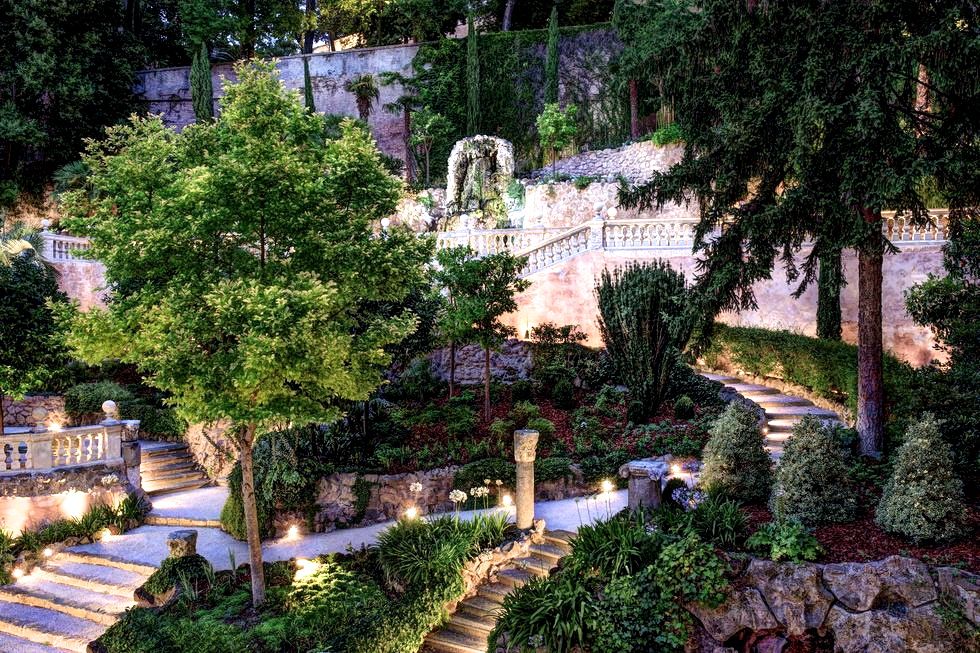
(33, 498)
(875, 607)
(564, 294)
(83, 281)
(511, 363)
(635, 162)
(391, 495)
(17, 412)
(212, 449)
(166, 91)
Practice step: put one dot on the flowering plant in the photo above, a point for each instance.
(457, 496)
(415, 487)
(688, 498)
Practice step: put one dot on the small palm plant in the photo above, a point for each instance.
(21, 241)
(366, 92)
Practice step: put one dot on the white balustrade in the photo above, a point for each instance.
(37, 451)
(61, 247)
(899, 227)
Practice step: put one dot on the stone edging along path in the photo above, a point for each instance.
(782, 411)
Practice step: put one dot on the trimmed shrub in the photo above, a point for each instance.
(544, 427)
(551, 468)
(174, 572)
(811, 479)
(521, 391)
(473, 474)
(684, 408)
(736, 463)
(563, 394)
(87, 398)
(635, 412)
(923, 498)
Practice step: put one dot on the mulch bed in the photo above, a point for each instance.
(863, 540)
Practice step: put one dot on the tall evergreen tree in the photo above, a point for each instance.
(308, 87)
(816, 147)
(472, 79)
(551, 63)
(202, 94)
(828, 295)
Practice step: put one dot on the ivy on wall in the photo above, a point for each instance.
(512, 88)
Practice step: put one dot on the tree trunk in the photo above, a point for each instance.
(1, 415)
(634, 110)
(409, 155)
(427, 168)
(452, 367)
(828, 296)
(486, 383)
(309, 35)
(870, 406)
(508, 14)
(252, 518)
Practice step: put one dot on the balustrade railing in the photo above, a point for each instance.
(38, 450)
(899, 228)
(61, 247)
(558, 248)
(493, 241)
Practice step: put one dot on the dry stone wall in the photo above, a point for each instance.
(19, 412)
(635, 162)
(511, 363)
(895, 604)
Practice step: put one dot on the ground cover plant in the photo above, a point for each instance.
(376, 600)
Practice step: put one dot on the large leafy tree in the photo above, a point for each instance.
(245, 256)
(803, 121)
(66, 71)
(31, 350)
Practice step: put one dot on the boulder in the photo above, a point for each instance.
(894, 580)
(793, 593)
(743, 609)
(889, 631)
(963, 589)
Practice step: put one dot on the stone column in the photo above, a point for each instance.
(644, 487)
(525, 445)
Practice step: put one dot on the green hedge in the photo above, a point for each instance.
(156, 422)
(827, 368)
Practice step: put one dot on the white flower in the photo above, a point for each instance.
(479, 491)
(498, 482)
(109, 479)
(457, 496)
(416, 487)
(486, 481)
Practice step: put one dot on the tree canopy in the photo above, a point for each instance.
(815, 146)
(246, 258)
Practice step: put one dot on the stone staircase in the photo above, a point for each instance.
(469, 627)
(66, 602)
(783, 411)
(169, 467)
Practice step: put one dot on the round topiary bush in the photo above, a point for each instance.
(811, 480)
(923, 498)
(684, 408)
(736, 463)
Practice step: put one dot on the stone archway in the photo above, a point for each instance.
(480, 168)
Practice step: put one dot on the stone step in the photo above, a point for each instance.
(101, 608)
(105, 561)
(799, 411)
(450, 641)
(780, 425)
(162, 449)
(172, 476)
(550, 551)
(535, 565)
(162, 465)
(47, 627)
(164, 487)
(560, 538)
(11, 644)
(469, 625)
(184, 522)
(778, 437)
(514, 577)
(95, 578)
(720, 378)
(479, 606)
(747, 389)
(495, 591)
(777, 400)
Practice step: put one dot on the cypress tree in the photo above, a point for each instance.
(472, 80)
(308, 87)
(828, 295)
(201, 92)
(551, 63)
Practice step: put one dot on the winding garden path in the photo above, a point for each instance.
(77, 593)
(783, 411)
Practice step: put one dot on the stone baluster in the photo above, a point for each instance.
(525, 451)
